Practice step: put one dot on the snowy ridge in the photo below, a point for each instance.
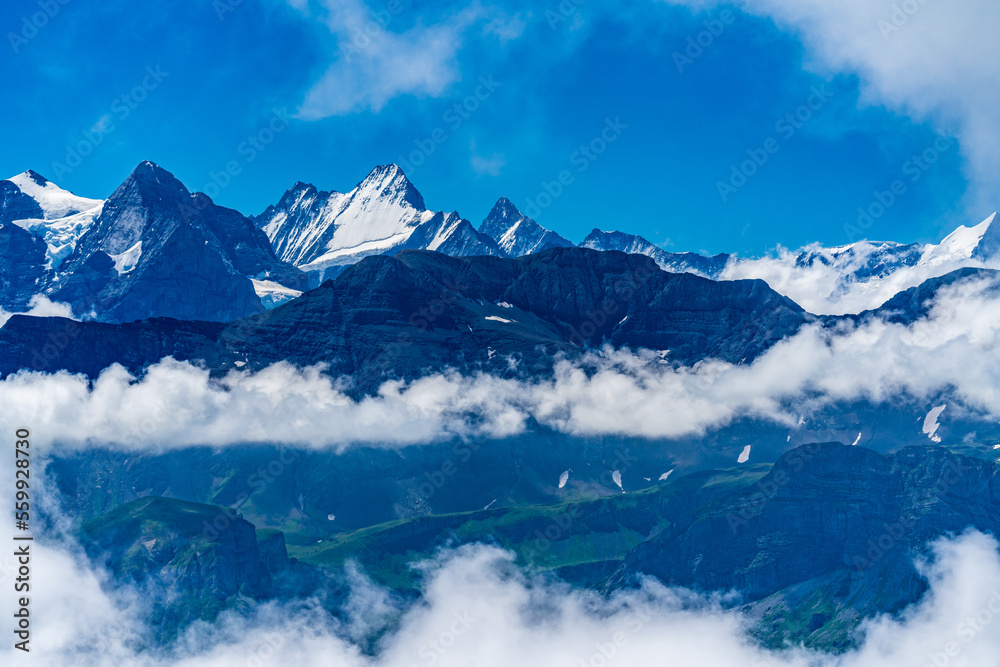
(516, 234)
(55, 202)
(274, 294)
(66, 217)
(318, 231)
(864, 275)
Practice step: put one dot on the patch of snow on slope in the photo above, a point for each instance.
(61, 234)
(128, 260)
(931, 424)
(274, 294)
(563, 478)
(495, 318)
(745, 456)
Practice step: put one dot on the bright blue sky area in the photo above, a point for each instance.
(558, 87)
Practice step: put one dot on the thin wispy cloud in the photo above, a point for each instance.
(932, 61)
(379, 60)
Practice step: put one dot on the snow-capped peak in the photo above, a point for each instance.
(388, 183)
(65, 216)
(322, 232)
(53, 200)
(960, 244)
(516, 233)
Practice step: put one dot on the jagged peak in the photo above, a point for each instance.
(505, 208)
(389, 181)
(148, 167)
(295, 193)
(150, 177)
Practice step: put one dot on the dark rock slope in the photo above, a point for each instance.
(158, 249)
(422, 311)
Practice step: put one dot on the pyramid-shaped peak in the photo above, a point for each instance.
(988, 246)
(296, 193)
(150, 168)
(505, 208)
(387, 181)
(150, 174)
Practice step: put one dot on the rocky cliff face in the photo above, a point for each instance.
(22, 266)
(516, 233)
(684, 262)
(15, 205)
(324, 232)
(468, 313)
(157, 249)
(843, 520)
(196, 560)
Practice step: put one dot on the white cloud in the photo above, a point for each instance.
(829, 285)
(478, 609)
(953, 353)
(491, 165)
(928, 59)
(40, 306)
(378, 62)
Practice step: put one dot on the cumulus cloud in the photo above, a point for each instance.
(836, 281)
(40, 306)
(951, 352)
(477, 608)
(933, 61)
(377, 61)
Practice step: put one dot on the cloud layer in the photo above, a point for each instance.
(953, 352)
(478, 609)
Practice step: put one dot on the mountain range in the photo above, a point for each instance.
(373, 292)
(154, 249)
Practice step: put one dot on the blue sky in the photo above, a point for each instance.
(199, 78)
